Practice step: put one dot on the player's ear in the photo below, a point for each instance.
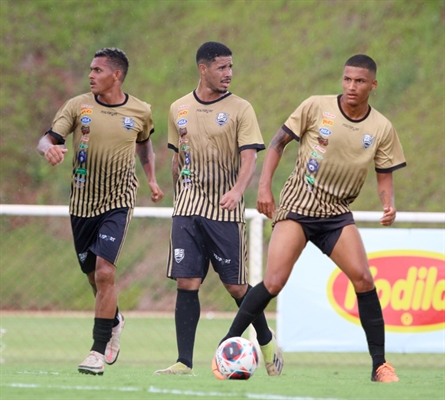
(374, 84)
(118, 75)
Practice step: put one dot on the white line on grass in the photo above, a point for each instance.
(153, 389)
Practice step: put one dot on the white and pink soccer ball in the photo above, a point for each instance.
(235, 358)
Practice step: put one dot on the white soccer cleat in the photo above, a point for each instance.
(273, 357)
(114, 346)
(93, 364)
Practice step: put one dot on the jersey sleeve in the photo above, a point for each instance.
(302, 118)
(249, 133)
(64, 121)
(173, 138)
(149, 127)
(389, 155)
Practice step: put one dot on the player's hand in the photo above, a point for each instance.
(265, 203)
(230, 200)
(389, 216)
(156, 193)
(55, 154)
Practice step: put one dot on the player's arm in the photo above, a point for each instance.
(265, 201)
(146, 155)
(49, 146)
(230, 200)
(386, 193)
(175, 168)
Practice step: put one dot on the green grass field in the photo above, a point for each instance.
(41, 352)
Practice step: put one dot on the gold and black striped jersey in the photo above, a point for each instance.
(334, 156)
(104, 139)
(208, 137)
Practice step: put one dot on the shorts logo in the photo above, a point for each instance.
(222, 118)
(128, 123)
(179, 255)
(367, 141)
(107, 238)
(221, 260)
(82, 256)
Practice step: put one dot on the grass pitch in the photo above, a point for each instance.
(40, 356)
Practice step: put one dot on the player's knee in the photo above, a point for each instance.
(274, 285)
(363, 283)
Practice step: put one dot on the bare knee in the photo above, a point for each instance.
(274, 284)
(104, 273)
(363, 283)
(236, 291)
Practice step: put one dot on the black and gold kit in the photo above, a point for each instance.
(209, 137)
(104, 137)
(334, 156)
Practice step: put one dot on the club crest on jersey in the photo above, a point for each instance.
(179, 255)
(367, 141)
(128, 123)
(222, 118)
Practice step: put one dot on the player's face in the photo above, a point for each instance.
(218, 74)
(358, 83)
(102, 77)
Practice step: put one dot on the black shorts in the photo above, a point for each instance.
(196, 241)
(323, 232)
(101, 236)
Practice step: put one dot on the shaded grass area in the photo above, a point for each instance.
(42, 353)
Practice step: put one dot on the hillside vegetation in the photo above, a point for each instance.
(283, 52)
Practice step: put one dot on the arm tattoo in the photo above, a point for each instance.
(143, 152)
(279, 141)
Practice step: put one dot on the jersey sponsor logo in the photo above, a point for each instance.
(85, 138)
(82, 157)
(410, 285)
(86, 111)
(204, 110)
(79, 185)
(320, 149)
(182, 122)
(310, 180)
(128, 123)
(367, 141)
(86, 106)
(316, 155)
(179, 255)
(328, 115)
(183, 107)
(353, 128)
(183, 113)
(85, 120)
(85, 130)
(182, 132)
(325, 131)
(222, 118)
(327, 122)
(323, 141)
(77, 179)
(111, 113)
(83, 146)
(81, 171)
(312, 166)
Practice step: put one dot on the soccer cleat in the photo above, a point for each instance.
(113, 345)
(93, 364)
(176, 369)
(385, 373)
(273, 357)
(215, 370)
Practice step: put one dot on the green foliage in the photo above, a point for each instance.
(284, 51)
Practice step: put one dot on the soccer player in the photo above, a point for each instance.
(108, 127)
(215, 138)
(339, 137)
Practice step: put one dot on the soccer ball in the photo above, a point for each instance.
(235, 358)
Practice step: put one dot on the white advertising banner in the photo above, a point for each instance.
(317, 309)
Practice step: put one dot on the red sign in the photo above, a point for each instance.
(411, 289)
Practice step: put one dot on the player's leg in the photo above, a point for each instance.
(350, 256)
(187, 265)
(286, 244)
(110, 232)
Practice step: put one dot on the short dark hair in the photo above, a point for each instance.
(362, 61)
(117, 58)
(210, 50)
